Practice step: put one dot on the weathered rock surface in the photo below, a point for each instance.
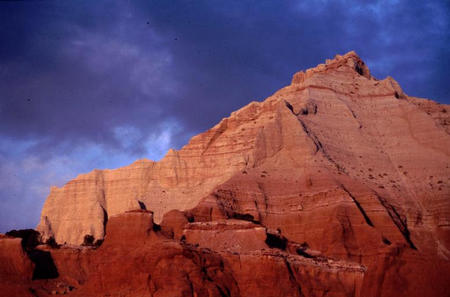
(336, 185)
(16, 269)
(147, 262)
(226, 235)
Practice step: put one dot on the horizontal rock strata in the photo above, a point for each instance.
(336, 185)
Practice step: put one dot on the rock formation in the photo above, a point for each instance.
(335, 117)
(16, 268)
(335, 185)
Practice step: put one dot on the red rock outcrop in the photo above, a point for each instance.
(226, 235)
(16, 269)
(138, 258)
(336, 185)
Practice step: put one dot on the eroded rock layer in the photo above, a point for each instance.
(335, 185)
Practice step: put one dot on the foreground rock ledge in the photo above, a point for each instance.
(138, 259)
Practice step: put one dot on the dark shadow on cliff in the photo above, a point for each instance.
(44, 266)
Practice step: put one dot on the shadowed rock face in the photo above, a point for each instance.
(16, 268)
(336, 185)
(136, 260)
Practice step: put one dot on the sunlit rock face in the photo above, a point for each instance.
(337, 184)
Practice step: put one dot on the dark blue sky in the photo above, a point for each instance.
(98, 84)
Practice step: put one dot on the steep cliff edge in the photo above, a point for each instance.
(338, 183)
(335, 119)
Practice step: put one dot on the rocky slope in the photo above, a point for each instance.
(336, 185)
(335, 116)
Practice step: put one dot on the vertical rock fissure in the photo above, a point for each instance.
(396, 218)
(315, 139)
(263, 192)
(142, 205)
(191, 286)
(347, 233)
(220, 130)
(358, 205)
(352, 112)
(319, 146)
(290, 107)
(221, 292)
(105, 219)
(292, 277)
(151, 287)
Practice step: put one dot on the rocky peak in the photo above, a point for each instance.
(333, 121)
(349, 62)
(337, 184)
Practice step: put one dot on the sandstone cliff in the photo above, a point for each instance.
(333, 122)
(336, 184)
